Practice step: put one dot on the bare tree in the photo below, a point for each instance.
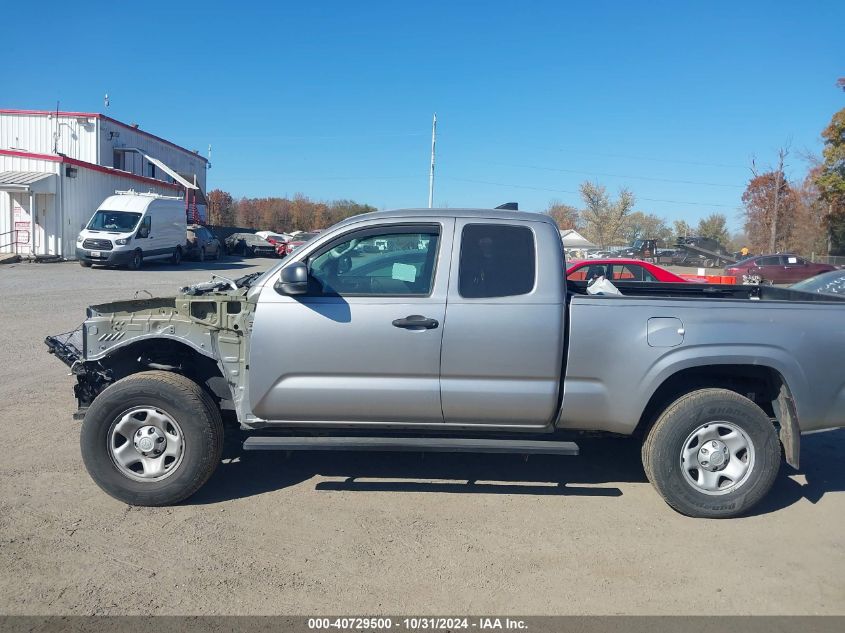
(777, 195)
(603, 218)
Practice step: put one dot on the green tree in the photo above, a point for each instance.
(830, 180)
(604, 217)
(639, 225)
(682, 229)
(715, 227)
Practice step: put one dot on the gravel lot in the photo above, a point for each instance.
(375, 533)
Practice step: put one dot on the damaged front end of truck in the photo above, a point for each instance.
(200, 333)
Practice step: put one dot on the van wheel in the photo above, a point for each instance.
(136, 260)
(176, 258)
(84, 264)
(712, 454)
(152, 439)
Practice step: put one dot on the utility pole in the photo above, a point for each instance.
(431, 172)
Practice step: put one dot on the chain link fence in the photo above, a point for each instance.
(833, 260)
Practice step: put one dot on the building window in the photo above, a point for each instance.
(151, 170)
(119, 160)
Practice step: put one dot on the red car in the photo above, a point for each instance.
(777, 269)
(620, 270)
(299, 240)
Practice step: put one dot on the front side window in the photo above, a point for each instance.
(146, 226)
(377, 264)
(118, 221)
(497, 260)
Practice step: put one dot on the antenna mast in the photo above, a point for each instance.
(431, 172)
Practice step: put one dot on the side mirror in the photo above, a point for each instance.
(294, 279)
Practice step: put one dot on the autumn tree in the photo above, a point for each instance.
(564, 215)
(603, 217)
(714, 227)
(811, 231)
(770, 207)
(221, 207)
(830, 180)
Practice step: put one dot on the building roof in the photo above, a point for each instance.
(97, 115)
(34, 181)
(573, 239)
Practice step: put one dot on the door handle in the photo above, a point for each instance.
(416, 322)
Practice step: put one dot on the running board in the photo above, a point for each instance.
(403, 444)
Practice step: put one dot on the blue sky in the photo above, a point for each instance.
(334, 99)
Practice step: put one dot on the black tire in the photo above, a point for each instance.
(665, 442)
(176, 258)
(84, 264)
(136, 260)
(186, 403)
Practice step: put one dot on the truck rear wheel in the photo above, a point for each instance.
(712, 454)
(152, 439)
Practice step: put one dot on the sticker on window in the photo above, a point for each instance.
(404, 272)
(792, 260)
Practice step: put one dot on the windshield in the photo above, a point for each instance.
(119, 221)
(832, 283)
(637, 244)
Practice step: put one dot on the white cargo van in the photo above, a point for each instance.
(129, 228)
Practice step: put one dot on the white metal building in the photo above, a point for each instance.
(57, 167)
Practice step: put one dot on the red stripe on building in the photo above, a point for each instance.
(81, 163)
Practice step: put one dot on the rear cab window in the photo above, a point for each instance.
(497, 260)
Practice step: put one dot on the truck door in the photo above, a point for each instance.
(503, 339)
(363, 345)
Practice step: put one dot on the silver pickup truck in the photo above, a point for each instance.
(455, 330)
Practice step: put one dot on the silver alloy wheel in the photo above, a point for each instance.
(146, 444)
(717, 458)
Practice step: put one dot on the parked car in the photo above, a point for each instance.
(829, 283)
(298, 240)
(620, 270)
(462, 349)
(777, 269)
(201, 243)
(249, 245)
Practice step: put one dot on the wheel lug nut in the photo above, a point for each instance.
(715, 445)
(704, 451)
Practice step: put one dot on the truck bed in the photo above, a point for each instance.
(657, 290)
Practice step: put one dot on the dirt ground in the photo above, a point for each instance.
(375, 533)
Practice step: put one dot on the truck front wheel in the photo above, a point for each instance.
(152, 439)
(712, 454)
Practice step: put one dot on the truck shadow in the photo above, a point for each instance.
(602, 463)
(244, 474)
(820, 466)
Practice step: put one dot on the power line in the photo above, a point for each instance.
(503, 184)
(547, 148)
(608, 175)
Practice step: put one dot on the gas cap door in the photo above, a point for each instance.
(665, 332)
